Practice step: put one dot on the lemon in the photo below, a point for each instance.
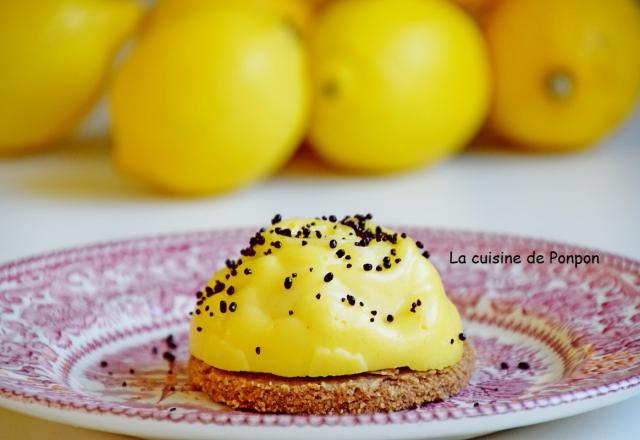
(566, 71)
(397, 83)
(212, 98)
(297, 12)
(54, 56)
(477, 8)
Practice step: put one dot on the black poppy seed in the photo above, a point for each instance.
(223, 306)
(367, 266)
(371, 319)
(288, 282)
(504, 366)
(190, 313)
(154, 350)
(231, 290)
(349, 266)
(206, 309)
(340, 253)
(318, 234)
(172, 409)
(247, 271)
(276, 219)
(523, 365)
(342, 299)
(462, 337)
(290, 312)
(403, 235)
(294, 275)
(393, 252)
(311, 269)
(476, 404)
(419, 244)
(233, 307)
(328, 277)
(257, 350)
(276, 244)
(104, 364)
(452, 341)
(374, 312)
(198, 311)
(209, 291)
(426, 254)
(167, 355)
(318, 296)
(378, 268)
(389, 318)
(361, 304)
(210, 313)
(199, 329)
(398, 260)
(124, 384)
(304, 242)
(234, 272)
(348, 257)
(419, 303)
(333, 244)
(132, 371)
(198, 294)
(333, 218)
(230, 264)
(351, 300)
(219, 287)
(227, 276)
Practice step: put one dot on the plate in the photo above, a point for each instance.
(97, 337)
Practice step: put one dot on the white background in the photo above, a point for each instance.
(73, 196)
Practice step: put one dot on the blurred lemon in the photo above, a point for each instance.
(397, 83)
(476, 7)
(54, 56)
(211, 99)
(566, 71)
(299, 12)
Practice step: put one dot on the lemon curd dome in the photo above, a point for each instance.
(322, 297)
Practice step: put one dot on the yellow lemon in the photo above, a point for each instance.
(476, 8)
(397, 83)
(54, 56)
(566, 71)
(299, 12)
(210, 100)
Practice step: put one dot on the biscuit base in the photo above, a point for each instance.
(378, 391)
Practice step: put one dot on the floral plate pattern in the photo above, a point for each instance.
(97, 337)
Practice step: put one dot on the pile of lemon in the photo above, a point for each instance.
(215, 94)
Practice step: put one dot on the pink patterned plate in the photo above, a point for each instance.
(84, 340)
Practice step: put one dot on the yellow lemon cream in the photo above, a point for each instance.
(323, 297)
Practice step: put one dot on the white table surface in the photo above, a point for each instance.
(72, 196)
